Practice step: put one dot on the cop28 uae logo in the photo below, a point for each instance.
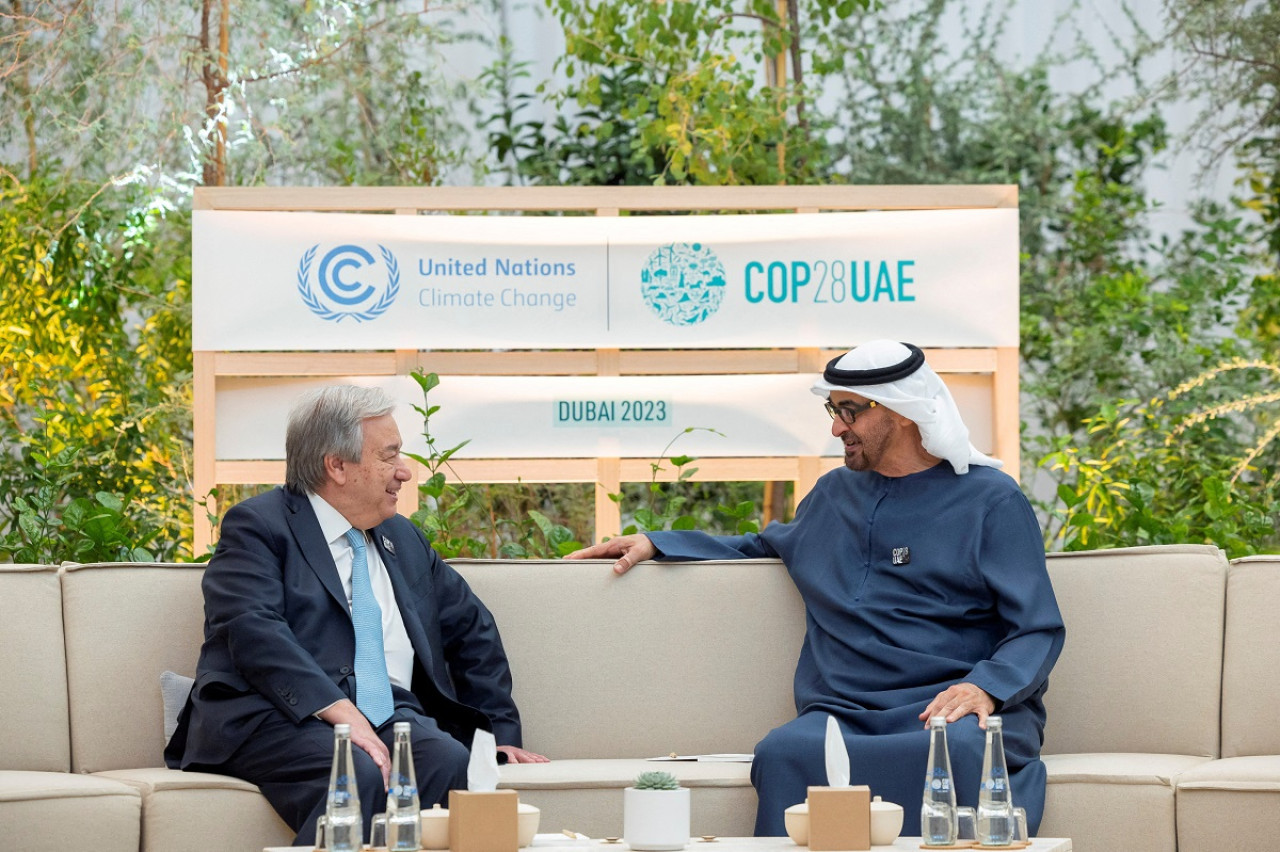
(683, 283)
(349, 283)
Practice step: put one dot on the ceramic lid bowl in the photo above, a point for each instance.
(527, 819)
(886, 822)
(796, 819)
(435, 827)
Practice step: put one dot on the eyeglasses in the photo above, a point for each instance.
(848, 412)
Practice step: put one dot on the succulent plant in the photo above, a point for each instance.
(656, 781)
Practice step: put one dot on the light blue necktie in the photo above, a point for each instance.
(373, 689)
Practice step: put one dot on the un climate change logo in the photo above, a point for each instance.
(344, 277)
(683, 283)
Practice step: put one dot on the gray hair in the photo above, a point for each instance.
(328, 421)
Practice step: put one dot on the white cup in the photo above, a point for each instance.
(527, 819)
(796, 819)
(886, 822)
(435, 827)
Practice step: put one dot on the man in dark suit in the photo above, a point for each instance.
(285, 656)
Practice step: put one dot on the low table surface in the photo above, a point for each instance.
(555, 843)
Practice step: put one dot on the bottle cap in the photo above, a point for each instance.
(401, 727)
(995, 722)
(939, 721)
(342, 728)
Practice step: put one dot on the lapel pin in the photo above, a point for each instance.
(901, 555)
(391, 548)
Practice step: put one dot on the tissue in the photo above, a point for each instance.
(482, 768)
(837, 755)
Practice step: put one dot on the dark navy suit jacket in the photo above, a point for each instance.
(278, 637)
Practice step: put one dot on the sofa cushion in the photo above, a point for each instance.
(1233, 803)
(1257, 773)
(618, 773)
(125, 624)
(56, 811)
(181, 811)
(1250, 690)
(686, 658)
(1119, 768)
(163, 780)
(174, 691)
(1141, 669)
(1110, 818)
(1106, 802)
(33, 669)
(586, 795)
(21, 786)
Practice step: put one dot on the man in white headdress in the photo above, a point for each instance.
(923, 574)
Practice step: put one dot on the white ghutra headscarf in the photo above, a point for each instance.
(896, 376)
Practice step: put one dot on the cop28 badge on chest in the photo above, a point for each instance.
(901, 555)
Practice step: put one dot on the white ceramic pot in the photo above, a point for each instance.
(527, 819)
(886, 822)
(655, 820)
(435, 827)
(796, 819)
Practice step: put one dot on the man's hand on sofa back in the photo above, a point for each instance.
(627, 549)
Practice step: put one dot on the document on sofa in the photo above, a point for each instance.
(706, 758)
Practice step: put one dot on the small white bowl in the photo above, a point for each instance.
(796, 819)
(886, 822)
(435, 827)
(527, 819)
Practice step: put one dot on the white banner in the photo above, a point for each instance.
(330, 281)
(582, 416)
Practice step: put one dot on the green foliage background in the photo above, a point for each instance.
(95, 361)
(1149, 361)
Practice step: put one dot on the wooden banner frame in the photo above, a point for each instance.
(999, 364)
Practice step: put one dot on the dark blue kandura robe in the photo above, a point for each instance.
(973, 604)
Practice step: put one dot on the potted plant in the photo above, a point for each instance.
(655, 813)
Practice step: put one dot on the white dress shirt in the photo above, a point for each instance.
(395, 639)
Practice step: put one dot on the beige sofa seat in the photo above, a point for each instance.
(183, 810)
(1234, 803)
(584, 794)
(1095, 798)
(59, 810)
(685, 658)
(126, 623)
(1134, 699)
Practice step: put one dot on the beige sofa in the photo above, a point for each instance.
(1158, 734)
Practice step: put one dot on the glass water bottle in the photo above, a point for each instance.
(403, 821)
(938, 812)
(995, 798)
(344, 827)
